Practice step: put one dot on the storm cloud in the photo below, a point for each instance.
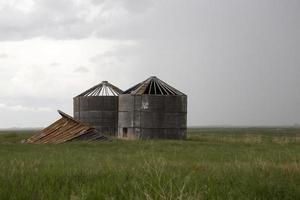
(65, 19)
(237, 60)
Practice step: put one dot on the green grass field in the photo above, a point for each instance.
(214, 163)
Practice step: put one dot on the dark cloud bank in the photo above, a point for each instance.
(237, 60)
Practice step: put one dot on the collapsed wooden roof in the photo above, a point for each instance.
(66, 129)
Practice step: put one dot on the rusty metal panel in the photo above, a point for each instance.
(63, 130)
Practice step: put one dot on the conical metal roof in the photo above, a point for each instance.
(102, 89)
(153, 86)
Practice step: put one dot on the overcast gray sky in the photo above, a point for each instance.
(237, 60)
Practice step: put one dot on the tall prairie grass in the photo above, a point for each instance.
(211, 164)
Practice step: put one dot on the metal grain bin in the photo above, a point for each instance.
(98, 107)
(152, 109)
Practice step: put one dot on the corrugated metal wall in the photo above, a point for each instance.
(152, 116)
(100, 112)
